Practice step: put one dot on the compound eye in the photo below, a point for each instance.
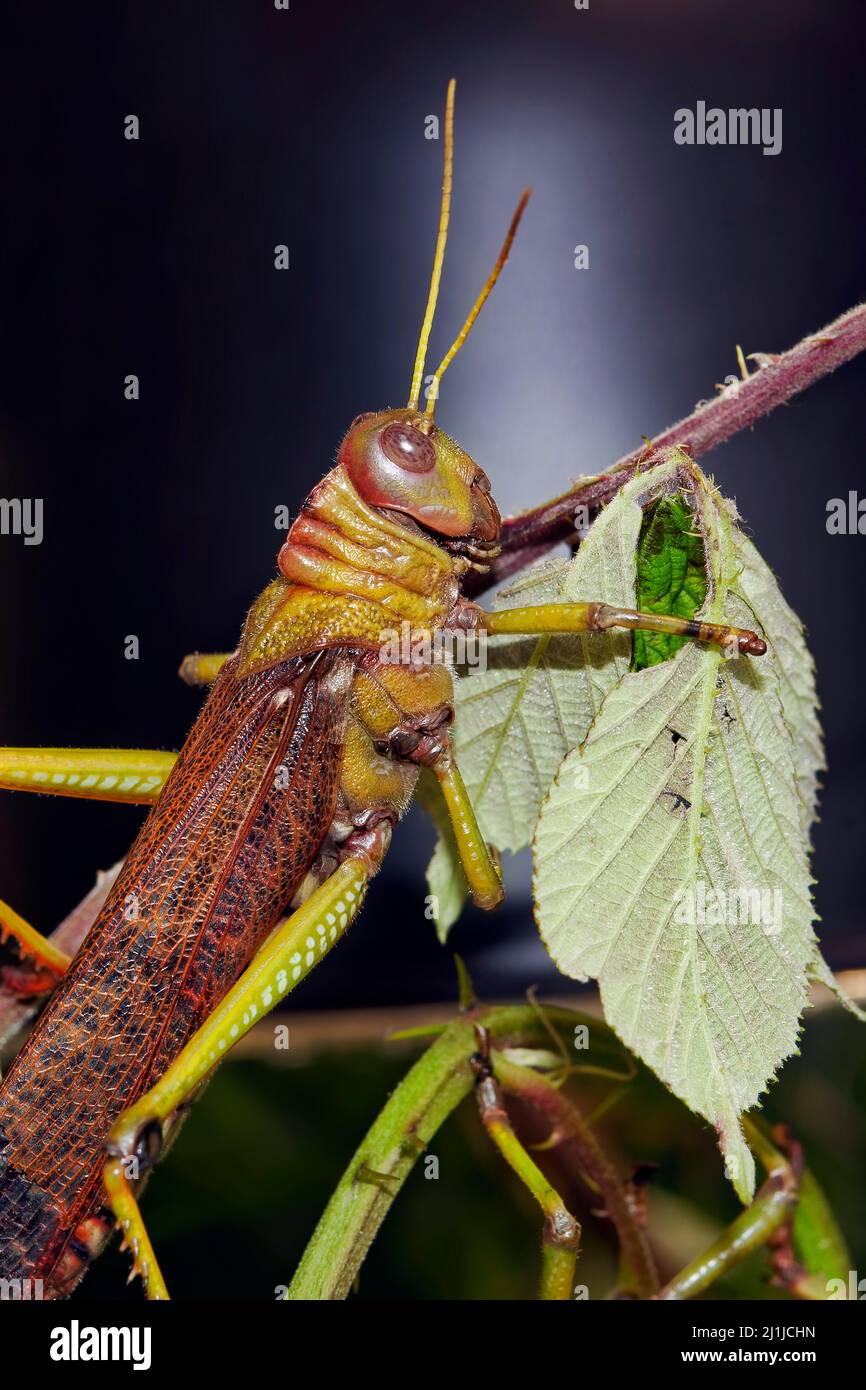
(408, 447)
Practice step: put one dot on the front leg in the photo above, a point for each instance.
(600, 617)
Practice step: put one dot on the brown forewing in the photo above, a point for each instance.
(239, 822)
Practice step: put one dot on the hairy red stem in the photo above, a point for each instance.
(778, 379)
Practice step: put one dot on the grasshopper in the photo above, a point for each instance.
(283, 799)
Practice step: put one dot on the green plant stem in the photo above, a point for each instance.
(817, 1239)
(558, 1268)
(569, 1127)
(434, 1086)
(773, 1206)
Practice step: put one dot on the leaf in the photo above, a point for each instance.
(516, 720)
(671, 577)
(759, 590)
(695, 786)
(768, 610)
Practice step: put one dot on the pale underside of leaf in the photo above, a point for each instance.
(696, 771)
(757, 586)
(766, 608)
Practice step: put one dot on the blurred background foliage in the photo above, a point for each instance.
(233, 1204)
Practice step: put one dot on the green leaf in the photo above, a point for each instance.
(818, 1242)
(671, 854)
(671, 577)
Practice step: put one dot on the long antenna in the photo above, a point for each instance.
(439, 255)
(477, 306)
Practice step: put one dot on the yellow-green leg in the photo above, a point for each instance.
(561, 1237)
(96, 774)
(135, 775)
(481, 870)
(53, 963)
(290, 952)
(202, 668)
(600, 617)
(103, 774)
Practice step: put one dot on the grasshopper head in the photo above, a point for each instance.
(401, 461)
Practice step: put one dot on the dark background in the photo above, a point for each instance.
(307, 127)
